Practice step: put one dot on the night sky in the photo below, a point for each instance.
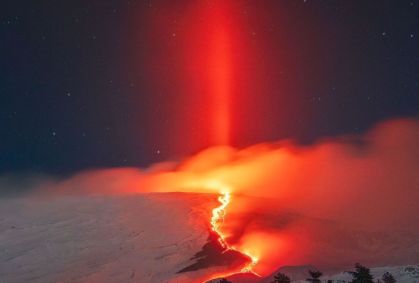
(101, 83)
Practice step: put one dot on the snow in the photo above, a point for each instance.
(143, 238)
(140, 238)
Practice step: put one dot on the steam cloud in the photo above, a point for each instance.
(330, 204)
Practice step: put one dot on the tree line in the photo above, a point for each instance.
(361, 274)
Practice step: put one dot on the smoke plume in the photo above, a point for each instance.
(330, 204)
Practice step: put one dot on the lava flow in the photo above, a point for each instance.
(217, 220)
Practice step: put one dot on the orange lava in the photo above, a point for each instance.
(217, 220)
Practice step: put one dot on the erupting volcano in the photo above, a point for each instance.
(191, 141)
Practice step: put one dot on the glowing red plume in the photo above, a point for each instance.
(220, 79)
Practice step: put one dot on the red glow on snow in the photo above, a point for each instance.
(283, 204)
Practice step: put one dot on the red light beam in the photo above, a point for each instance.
(220, 79)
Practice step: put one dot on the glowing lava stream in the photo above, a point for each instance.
(217, 219)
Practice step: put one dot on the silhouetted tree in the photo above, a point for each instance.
(223, 280)
(388, 278)
(361, 274)
(315, 275)
(281, 278)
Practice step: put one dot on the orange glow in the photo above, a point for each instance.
(282, 204)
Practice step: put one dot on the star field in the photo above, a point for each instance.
(89, 84)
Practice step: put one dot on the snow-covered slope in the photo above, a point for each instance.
(141, 238)
(145, 238)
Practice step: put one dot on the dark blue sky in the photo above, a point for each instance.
(90, 84)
